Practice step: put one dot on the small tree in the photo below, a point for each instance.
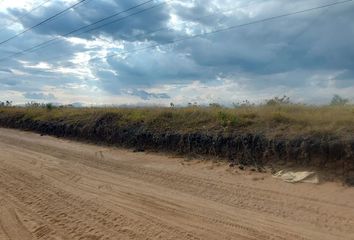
(244, 103)
(6, 104)
(215, 105)
(49, 106)
(33, 104)
(285, 100)
(195, 104)
(338, 100)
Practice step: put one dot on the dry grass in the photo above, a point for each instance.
(271, 120)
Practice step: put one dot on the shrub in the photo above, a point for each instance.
(338, 100)
(278, 101)
(49, 106)
(244, 103)
(215, 105)
(227, 119)
(6, 104)
(33, 105)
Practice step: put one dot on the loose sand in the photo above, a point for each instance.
(59, 189)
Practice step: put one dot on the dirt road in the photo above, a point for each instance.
(58, 189)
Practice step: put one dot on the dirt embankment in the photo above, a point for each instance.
(321, 151)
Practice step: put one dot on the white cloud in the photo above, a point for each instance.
(306, 57)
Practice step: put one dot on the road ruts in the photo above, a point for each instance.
(58, 189)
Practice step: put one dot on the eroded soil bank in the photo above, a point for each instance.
(327, 152)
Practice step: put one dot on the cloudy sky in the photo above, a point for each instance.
(147, 55)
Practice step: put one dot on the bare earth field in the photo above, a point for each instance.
(58, 189)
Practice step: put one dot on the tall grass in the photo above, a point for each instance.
(270, 120)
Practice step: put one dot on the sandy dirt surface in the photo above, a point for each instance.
(58, 189)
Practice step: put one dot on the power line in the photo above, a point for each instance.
(298, 35)
(118, 20)
(191, 19)
(139, 35)
(233, 27)
(24, 15)
(42, 22)
(144, 34)
(46, 43)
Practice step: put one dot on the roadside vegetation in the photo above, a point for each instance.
(276, 117)
(275, 132)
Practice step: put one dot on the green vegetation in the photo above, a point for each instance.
(339, 101)
(273, 119)
(248, 134)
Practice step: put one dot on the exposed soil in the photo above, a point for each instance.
(327, 152)
(59, 189)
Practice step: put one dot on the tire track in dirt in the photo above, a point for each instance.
(147, 203)
(11, 224)
(245, 197)
(78, 218)
(55, 189)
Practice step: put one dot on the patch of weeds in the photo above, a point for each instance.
(227, 119)
(249, 115)
(280, 118)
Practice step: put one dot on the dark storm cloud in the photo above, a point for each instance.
(60, 25)
(152, 67)
(273, 47)
(118, 27)
(288, 52)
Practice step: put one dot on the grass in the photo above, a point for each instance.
(278, 120)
